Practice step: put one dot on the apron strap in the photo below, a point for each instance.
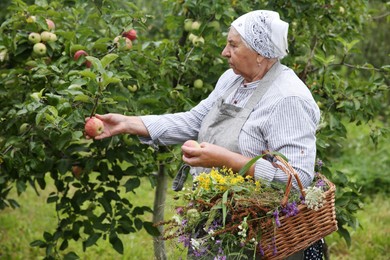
(181, 177)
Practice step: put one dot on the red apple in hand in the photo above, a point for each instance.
(94, 127)
(190, 143)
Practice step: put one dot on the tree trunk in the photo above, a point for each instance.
(158, 211)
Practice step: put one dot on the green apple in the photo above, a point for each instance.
(191, 36)
(215, 25)
(197, 41)
(31, 19)
(191, 143)
(23, 128)
(34, 37)
(195, 26)
(53, 37)
(132, 88)
(46, 36)
(188, 25)
(198, 83)
(39, 48)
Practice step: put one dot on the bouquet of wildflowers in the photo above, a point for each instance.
(223, 215)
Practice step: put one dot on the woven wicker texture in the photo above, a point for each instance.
(308, 226)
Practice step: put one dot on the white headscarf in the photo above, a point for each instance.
(264, 32)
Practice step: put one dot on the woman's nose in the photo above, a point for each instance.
(225, 52)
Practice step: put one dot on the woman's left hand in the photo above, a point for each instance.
(211, 155)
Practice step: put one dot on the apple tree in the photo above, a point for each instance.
(94, 63)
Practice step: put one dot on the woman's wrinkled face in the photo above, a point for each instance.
(242, 59)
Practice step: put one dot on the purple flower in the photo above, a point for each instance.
(180, 211)
(220, 257)
(200, 252)
(184, 222)
(320, 163)
(291, 209)
(276, 216)
(275, 250)
(261, 250)
(320, 183)
(185, 239)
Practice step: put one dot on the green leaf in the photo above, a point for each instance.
(151, 229)
(116, 243)
(138, 223)
(91, 240)
(223, 204)
(64, 245)
(96, 63)
(38, 243)
(71, 256)
(88, 74)
(249, 164)
(106, 60)
(132, 184)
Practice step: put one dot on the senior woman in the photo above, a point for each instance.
(259, 104)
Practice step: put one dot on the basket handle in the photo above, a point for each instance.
(289, 170)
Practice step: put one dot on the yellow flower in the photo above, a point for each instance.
(203, 181)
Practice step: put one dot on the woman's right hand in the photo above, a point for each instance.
(115, 124)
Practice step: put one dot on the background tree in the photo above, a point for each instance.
(46, 98)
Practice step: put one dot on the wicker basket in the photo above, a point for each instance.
(299, 232)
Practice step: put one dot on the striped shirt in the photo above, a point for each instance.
(285, 120)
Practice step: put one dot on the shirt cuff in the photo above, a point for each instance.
(154, 128)
(264, 170)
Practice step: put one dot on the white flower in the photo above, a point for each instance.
(195, 243)
(314, 198)
(176, 218)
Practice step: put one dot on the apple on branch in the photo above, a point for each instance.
(80, 53)
(34, 37)
(50, 24)
(39, 48)
(131, 34)
(48, 36)
(94, 127)
(123, 43)
(198, 83)
(77, 171)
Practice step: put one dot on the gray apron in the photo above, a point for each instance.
(223, 124)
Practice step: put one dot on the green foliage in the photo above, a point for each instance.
(45, 99)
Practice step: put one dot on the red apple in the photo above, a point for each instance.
(94, 127)
(132, 34)
(50, 24)
(123, 43)
(80, 53)
(77, 171)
